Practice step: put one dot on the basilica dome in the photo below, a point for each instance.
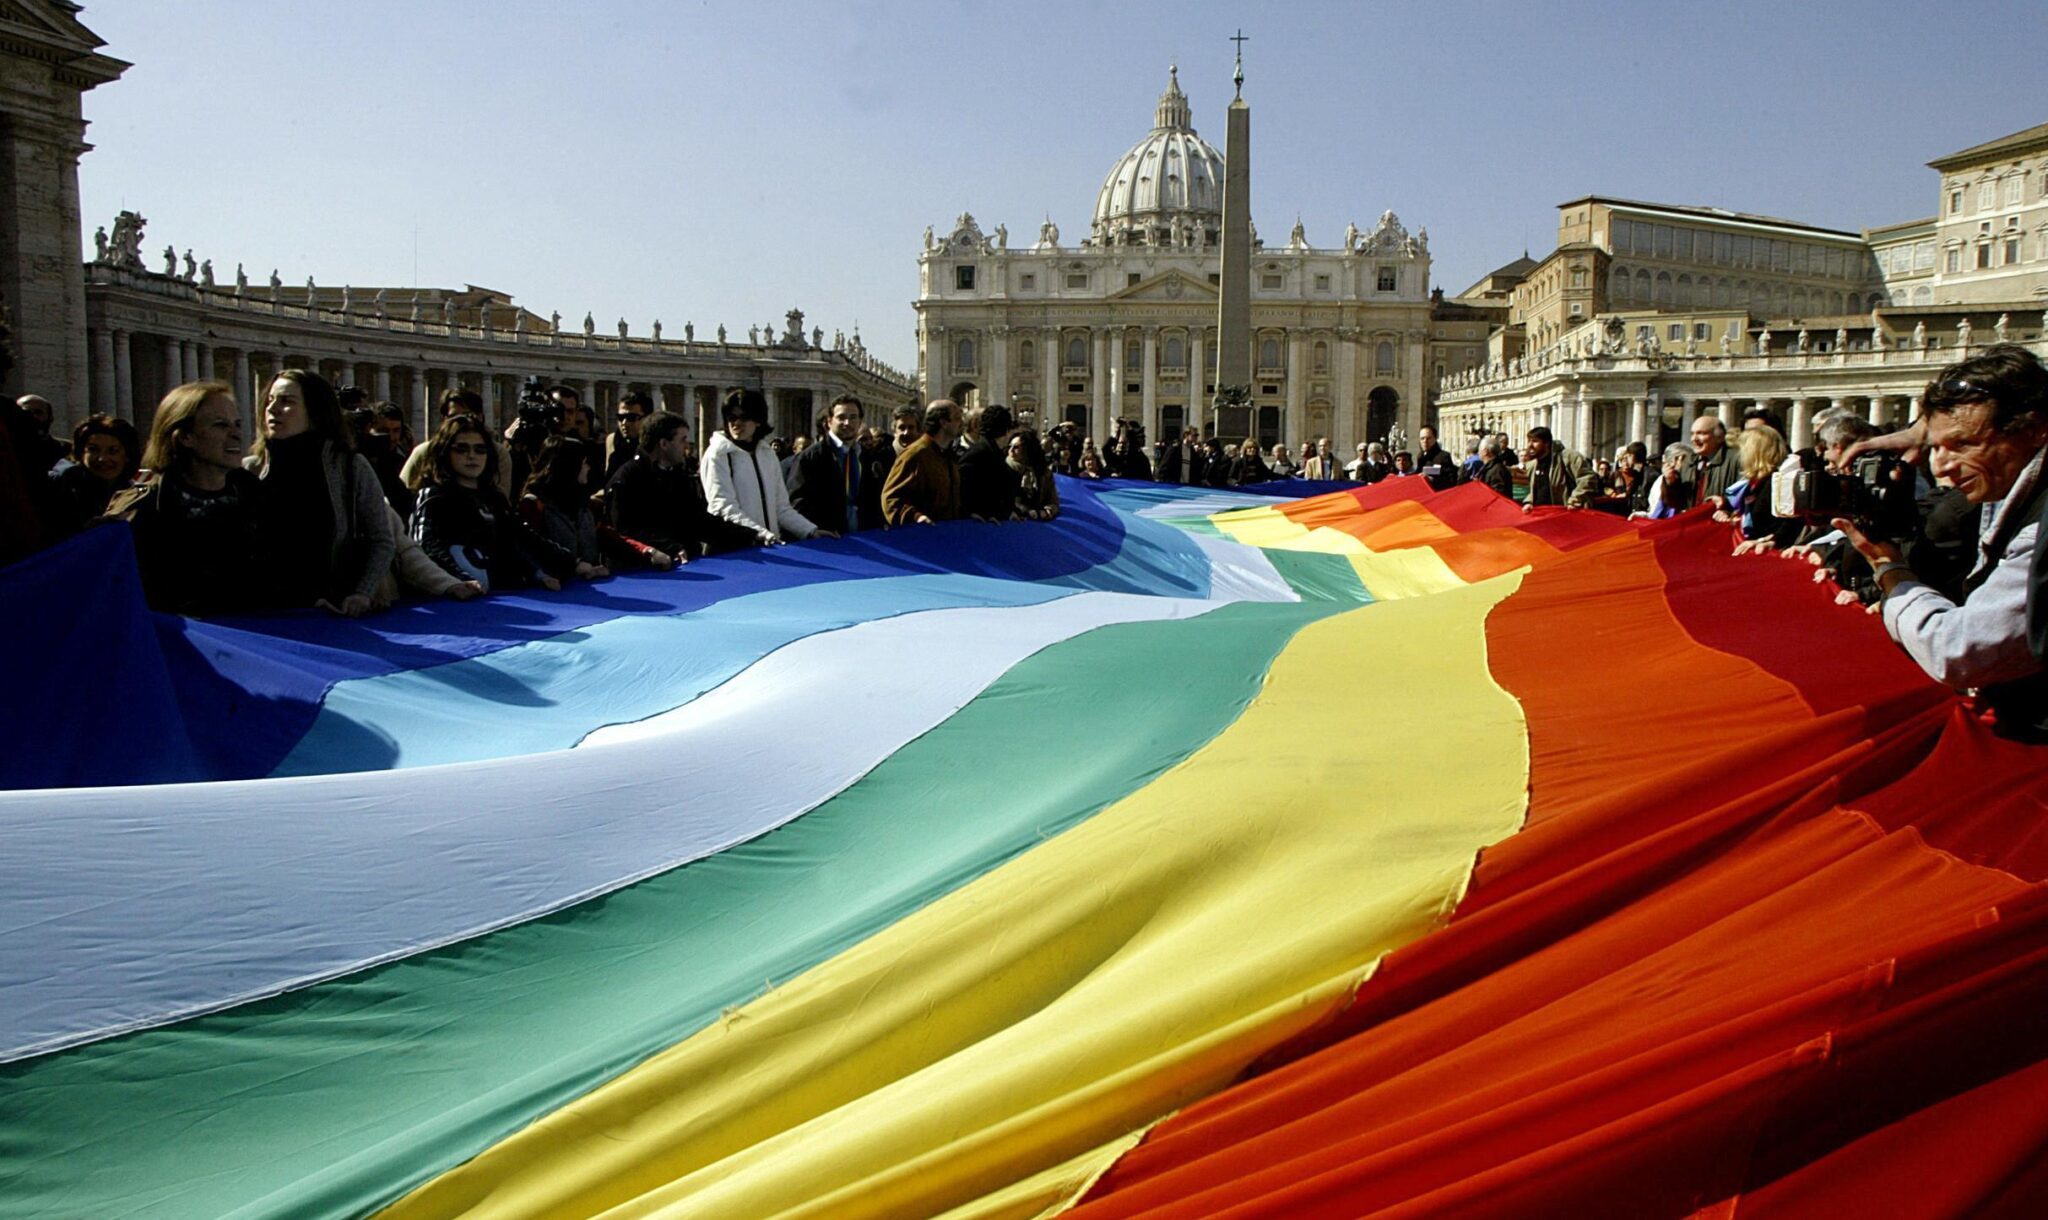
(1166, 191)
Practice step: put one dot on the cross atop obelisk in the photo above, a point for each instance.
(1232, 413)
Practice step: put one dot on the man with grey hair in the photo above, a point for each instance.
(1717, 465)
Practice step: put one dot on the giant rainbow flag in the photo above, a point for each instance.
(1342, 852)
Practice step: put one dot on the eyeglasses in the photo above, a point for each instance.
(464, 447)
(1960, 390)
(633, 415)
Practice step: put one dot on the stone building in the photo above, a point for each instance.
(1646, 315)
(48, 61)
(151, 330)
(1123, 323)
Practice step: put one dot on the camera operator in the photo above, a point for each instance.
(1984, 424)
(1125, 454)
(541, 414)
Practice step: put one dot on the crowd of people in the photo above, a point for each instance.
(335, 504)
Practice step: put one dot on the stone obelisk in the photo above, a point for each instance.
(1232, 419)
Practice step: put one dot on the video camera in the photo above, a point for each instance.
(1871, 493)
(539, 416)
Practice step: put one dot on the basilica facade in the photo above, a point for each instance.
(1123, 323)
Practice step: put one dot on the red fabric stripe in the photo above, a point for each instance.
(1774, 908)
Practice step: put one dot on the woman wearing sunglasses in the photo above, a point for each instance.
(465, 524)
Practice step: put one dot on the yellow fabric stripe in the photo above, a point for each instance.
(1387, 575)
(1132, 964)
(1052, 1191)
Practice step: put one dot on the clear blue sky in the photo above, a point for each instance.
(723, 162)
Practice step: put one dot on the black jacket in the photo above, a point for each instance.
(474, 535)
(988, 487)
(663, 508)
(199, 552)
(817, 487)
(1446, 476)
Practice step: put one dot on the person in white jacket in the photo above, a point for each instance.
(743, 477)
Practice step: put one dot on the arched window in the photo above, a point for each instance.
(1134, 355)
(1077, 353)
(1027, 353)
(1643, 293)
(963, 355)
(1684, 297)
(1663, 288)
(1322, 357)
(1799, 303)
(1269, 354)
(1176, 353)
(1383, 357)
(1619, 285)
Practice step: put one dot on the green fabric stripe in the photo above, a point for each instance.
(1318, 576)
(336, 1099)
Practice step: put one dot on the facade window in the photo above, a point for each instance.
(2012, 190)
(1027, 352)
(1955, 201)
(1619, 285)
(1675, 331)
(1984, 254)
(1077, 279)
(1953, 262)
(1701, 330)
(1742, 255)
(1620, 230)
(963, 277)
(1269, 354)
(2012, 250)
(1683, 247)
(1724, 248)
(1077, 353)
(1030, 281)
(1578, 277)
(1176, 353)
(1215, 277)
(1386, 280)
(1322, 283)
(1131, 279)
(1923, 256)
(1269, 281)
(1987, 197)
(1643, 333)
(1383, 357)
(963, 356)
(1134, 355)
(1322, 357)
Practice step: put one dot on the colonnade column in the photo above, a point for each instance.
(245, 387)
(174, 367)
(205, 361)
(1639, 420)
(1728, 416)
(1296, 421)
(419, 404)
(1801, 423)
(383, 383)
(104, 377)
(124, 377)
(1582, 421)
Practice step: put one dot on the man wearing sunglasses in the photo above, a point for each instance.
(1984, 427)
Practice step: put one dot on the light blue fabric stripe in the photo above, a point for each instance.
(550, 694)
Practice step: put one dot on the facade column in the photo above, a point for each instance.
(104, 377)
(1148, 405)
(1051, 388)
(1120, 373)
(174, 366)
(1877, 410)
(382, 381)
(1294, 422)
(1801, 423)
(1582, 421)
(1198, 378)
(205, 351)
(1639, 420)
(1344, 426)
(1730, 418)
(1098, 404)
(188, 360)
(1915, 406)
(996, 342)
(124, 379)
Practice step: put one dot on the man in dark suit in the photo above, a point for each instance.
(1185, 460)
(832, 481)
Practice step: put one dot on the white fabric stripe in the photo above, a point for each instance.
(1243, 573)
(122, 908)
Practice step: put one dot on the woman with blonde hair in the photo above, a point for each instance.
(1760, 451)
(195, 524)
